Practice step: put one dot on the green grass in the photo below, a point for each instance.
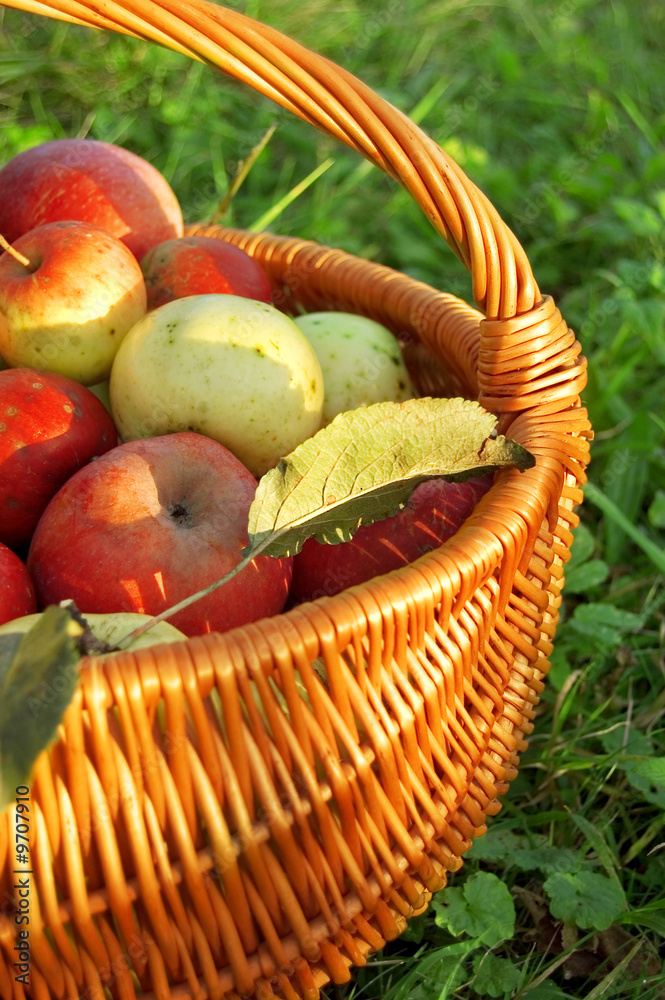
(557, 111)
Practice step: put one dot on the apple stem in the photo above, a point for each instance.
(185, 603)
(15, 253)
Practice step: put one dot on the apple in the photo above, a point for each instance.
(198, 265)
(17, 591)
(109, 628)
(102, 392)
(435, 511)
(235, 369)
(94, 182)
(69, 310)
(49, 427)
(150, 523)
(360, 359)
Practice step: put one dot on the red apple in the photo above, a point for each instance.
(150, 523)
(49, 427)
(200, 265)
(17, 591)
(69, 308)
(433, 514)
(92, 181)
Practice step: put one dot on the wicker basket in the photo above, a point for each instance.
(201, 829)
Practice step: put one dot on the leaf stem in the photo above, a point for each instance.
(186, 601)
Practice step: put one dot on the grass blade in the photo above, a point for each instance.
(606, 984)
(276, 210)
(610, 510)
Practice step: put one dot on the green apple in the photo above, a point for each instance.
(235, 369)
(110, 628)
(360, 359)
(102, 392)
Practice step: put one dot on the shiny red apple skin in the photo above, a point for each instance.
(433, 514)
(150, 523)
(18, 596)
(202, 265)
(92, 181)
(50, 426)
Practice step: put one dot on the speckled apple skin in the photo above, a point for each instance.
(360, 359)
(235, 369)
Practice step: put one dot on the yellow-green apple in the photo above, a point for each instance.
(434, 513)
(17, 591)
(150, 523)
(200, 265)
(69, 309)
(235, 369)
(92, 181)
(49, 427)
(102, 392)
(110, 628)
(360, 359)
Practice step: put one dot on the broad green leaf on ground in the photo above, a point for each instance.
(590, 574)
(365, 465)
(651, 770)
(644, 771)
(582, 548)
(583, 572)
(546, 991)
(483, 908)
(604, 623)
(648, 777)
(586, 899)
(495, 976)
(38, 675)
(527, 853)
(548, 860)
(498, 844)
(656, 510)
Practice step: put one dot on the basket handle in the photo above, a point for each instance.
(528, 357)
(337, 103)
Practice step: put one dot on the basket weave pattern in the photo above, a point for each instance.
(250, 814)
